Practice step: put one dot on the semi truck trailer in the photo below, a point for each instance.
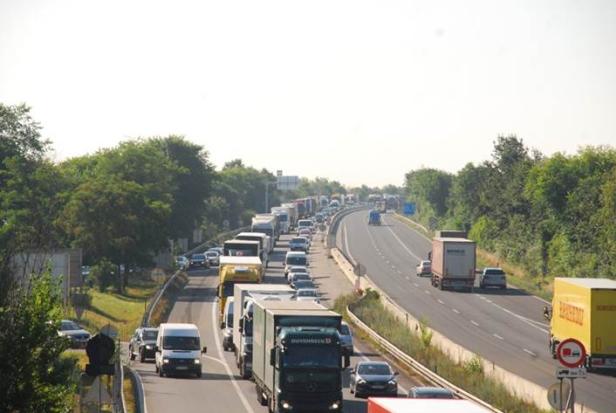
(297, 356)
(243, 295)
(292, 214)
(393, 405)
(585, 309)
(283, 218)
(453, 263)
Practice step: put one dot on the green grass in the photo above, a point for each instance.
(468, 376)
(123, 311)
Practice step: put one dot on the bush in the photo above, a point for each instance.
(103, 274)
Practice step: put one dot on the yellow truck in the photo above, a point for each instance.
(234, 270)
(585, 309)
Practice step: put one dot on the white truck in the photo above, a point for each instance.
(292, 214)
(264, 244)
(243, 295)
(453, 263)
(283, 218)
(266, 224)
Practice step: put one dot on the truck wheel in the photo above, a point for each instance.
(243, 371)
(199, 374)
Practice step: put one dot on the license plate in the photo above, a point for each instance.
(181, 368)
(378, 387)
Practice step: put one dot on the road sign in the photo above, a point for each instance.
(558, 395)
(574, 373)
(287, 183)
(410, 208)
(571, 353)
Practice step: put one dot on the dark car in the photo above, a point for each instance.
(302, 284)
(419, 392)
(143, 343)
(373, 378)
(77, 336)
(346, 339)
(198, 261)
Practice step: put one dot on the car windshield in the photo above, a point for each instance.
(150, 335)
(198, 257)
(307, 293)
(303, 284)
(495, 272)
(69, 325)
(296, 260)
(299, 240)
(180, 343)
(212, 254)
(374, 369)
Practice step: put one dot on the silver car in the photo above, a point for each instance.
(346, 339)
(493, 277)
(77, 336)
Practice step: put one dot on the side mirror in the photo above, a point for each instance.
(273, 357)
(223, 325)
(347, 361)
(204, 350)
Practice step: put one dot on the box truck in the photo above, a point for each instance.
(283, 218)
(243, 295)
(234, 270)
(266, 224)
(585, 309)
(292, 214)
(297, 356)
(262, 239)
(453, 263)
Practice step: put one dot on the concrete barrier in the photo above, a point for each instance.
(521, 387)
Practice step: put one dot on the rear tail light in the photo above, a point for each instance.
(597, 362)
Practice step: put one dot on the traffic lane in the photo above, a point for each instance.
(598, 390)
(513, 299)
(196, 304)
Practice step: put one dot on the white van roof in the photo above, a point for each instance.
(178, 329)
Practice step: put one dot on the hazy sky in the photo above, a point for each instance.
(358, 91)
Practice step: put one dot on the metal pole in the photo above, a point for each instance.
(266, 196)
(572, 395)
(561, 395)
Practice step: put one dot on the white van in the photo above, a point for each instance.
(294, 258)
(227, 325)
(178, 349)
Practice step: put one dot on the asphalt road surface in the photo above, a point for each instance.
(221, 389)
(506, 327)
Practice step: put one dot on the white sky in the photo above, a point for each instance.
(358, 91)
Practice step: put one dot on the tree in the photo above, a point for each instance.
(431, 187)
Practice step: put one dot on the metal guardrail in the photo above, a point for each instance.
(415, 365)
(152, 304)
(119, 403)
(138, 386)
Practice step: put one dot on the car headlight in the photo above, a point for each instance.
(335, 405)
(285, 405)
(197, 361)
(148, 347)
(165, 361)
(392, 382)
(361, 381)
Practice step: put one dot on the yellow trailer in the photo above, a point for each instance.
(585, 309)
(234, 270)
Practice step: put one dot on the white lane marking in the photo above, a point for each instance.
(497, 336)
(530, 352)
(441, 301)
(455, 311)
(526, 320)
(416, 285)
(473, 322)
(427, 292)
(227, 368)
(403, 245)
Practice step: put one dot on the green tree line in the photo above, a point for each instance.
(554, 216)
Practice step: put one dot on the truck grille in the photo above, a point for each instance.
(310, 387)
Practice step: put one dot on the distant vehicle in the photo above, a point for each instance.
(583, 309)
(373, 378)
(77, 336)
(178, 349)
(304, 223)
(374, 217)
(305, 232)
(213, 258)
(346, 339)
(198, 261)
(227, 325)
(424, 268)
(299, 268)
(298, 244)
(219, 250)
(296, 276)
(420, 392)
(299, 284)
(308, 294)
(493, 277)
(294, 258)
(182, 262)
(143, 343)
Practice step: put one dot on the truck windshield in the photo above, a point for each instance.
(241, 252)
(180, 343)
(311, 356)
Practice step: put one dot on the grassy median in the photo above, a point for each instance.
(468, 376)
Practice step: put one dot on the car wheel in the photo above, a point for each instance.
(156, 367)
(142, 355)
(199, 374)
(132, 355)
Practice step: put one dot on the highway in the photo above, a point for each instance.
(505, 327)
(221, 389)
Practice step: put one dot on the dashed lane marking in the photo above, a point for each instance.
(473, 322)
(530, 352)
(498, 337)
(455, 311)
(441, 302)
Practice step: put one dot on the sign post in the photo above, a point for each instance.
(571, 354)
